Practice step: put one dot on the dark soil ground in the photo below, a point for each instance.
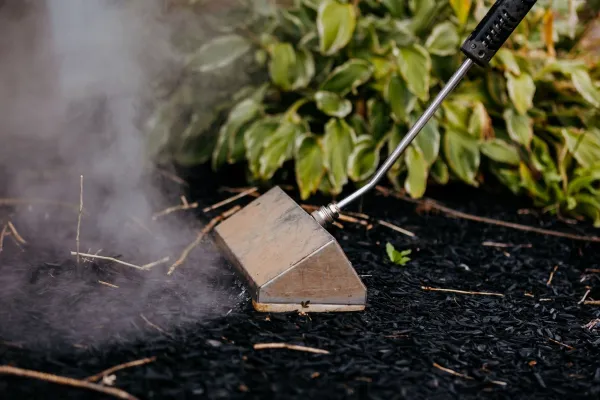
(531, 343)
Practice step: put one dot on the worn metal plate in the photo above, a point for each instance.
(287, 257)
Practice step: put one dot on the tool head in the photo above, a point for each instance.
(289, 260)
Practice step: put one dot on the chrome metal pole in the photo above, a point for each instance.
(328, 214)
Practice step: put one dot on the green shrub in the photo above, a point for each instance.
(344, 81)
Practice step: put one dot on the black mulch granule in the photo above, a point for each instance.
(531, 343)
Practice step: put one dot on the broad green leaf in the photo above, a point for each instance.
(242, 114)
(416, 181)
(496, 85)
(305, 68)
(358, 123)
(335, 23)
(506, 58)
(379, 120)
(521, 90)
(382, 67)
(332, 104)
(520, 127)
(462, 155)
(397, 257)
(229, 146)
(221, 150)
(364, 159)
(439, 172)
(589, 205)
(461, 9)
(500, 151)
(415, 66)
(348, 76)
(283, 65)
(291, 69)
(309, 165)
(400, 33)
(338, 143)
(586, 181)
(195, 146)
(279, 148)
(457, 113)
(584, 146)
(428, 141)
(529, 183)
(424, 13)
(326, 187)
(444, 40)
(543, 160)
(396, 134)
(400, 99)
(254, 140)
(480, 123)
(584, 85)
(509, 178)
(395, 7)
(219, 52)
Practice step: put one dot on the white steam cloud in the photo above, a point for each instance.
(73, 74)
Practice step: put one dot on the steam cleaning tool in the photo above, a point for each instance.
(288, 257)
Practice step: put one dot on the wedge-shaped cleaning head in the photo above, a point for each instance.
(290, 262)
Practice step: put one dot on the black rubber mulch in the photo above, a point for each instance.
(531, 343)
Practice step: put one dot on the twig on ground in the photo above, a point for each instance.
(184, 206)
(356, 214)
(352, 220)
(231, 199)
(584, 296)
(61, 380)
(137, 363)
(238, 190)
(451, 372)
(529, 294)
(429, 204)
(158, 328)
(2, 236)
(506, 245)
(593, 270)
(561, 344)
(108, 284)
(186, 252)
(430, 289)
(592, 324)
(338, 225)
(309, 207)
(263, 346)
(155, 263)
(172, 177)
(549, 281)
(396, 228)
(79, 215)
(592, 302)
(230, 212)
(15, 234)
(108, 259)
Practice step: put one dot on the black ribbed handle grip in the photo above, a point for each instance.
(495, 29)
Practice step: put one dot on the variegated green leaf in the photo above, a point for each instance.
(521, 90)
(338, 143)
(335, 23)
(309, 165)
(416, 181)
(415, 66)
